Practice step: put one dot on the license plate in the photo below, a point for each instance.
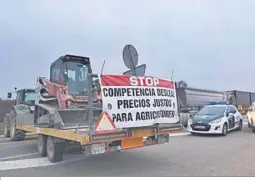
(200, 127)
(97, 148)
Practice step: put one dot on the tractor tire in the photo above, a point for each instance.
(6, 131)
(55, 150)
(42, 144)
(15, 134)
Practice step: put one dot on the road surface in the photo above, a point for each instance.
(184, 156)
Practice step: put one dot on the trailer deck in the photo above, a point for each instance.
(81, 135)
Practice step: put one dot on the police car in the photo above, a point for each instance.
(217, 118)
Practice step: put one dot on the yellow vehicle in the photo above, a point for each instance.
(68, 109)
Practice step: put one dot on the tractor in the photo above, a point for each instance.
(22, 109)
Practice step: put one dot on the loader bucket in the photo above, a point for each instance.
(73, 117)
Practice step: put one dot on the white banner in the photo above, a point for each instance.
(139, 101)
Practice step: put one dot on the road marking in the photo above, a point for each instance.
(27, 134)
(180, 134)
(35, 162)
(15, 142)
(26, 163)
(17, 156)
(4, 139)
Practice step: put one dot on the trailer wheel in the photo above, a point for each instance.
(15, 134)
(54, 150)
(42, 144)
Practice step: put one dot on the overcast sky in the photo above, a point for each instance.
(208, 43)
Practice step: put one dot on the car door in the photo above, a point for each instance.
(231, 117)
(237, 115)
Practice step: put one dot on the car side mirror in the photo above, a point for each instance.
(230, 114)
(9, 95)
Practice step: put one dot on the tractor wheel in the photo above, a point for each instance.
(6, 131)
(42, 144)
(15, 134)
(55, 150)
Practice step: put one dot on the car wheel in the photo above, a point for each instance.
(224, 129)
(250, 123)
(240, 126)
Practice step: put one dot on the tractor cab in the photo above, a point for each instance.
(72, 71)
(24, 97)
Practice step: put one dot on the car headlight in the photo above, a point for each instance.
(216, 121)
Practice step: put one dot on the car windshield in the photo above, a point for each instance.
(29, 98)
(212, 110)
(77, 74)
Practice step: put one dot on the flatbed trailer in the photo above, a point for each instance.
(82, 137)
(97, 143)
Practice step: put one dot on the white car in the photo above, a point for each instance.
(216, 119)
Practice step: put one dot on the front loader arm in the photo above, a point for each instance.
(56, 90)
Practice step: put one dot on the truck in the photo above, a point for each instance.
(70, 108)
(190, 100)
(241, 99)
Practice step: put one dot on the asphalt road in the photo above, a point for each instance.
(1, 127)
(184, 156)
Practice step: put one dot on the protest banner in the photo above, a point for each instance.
(133, 101)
